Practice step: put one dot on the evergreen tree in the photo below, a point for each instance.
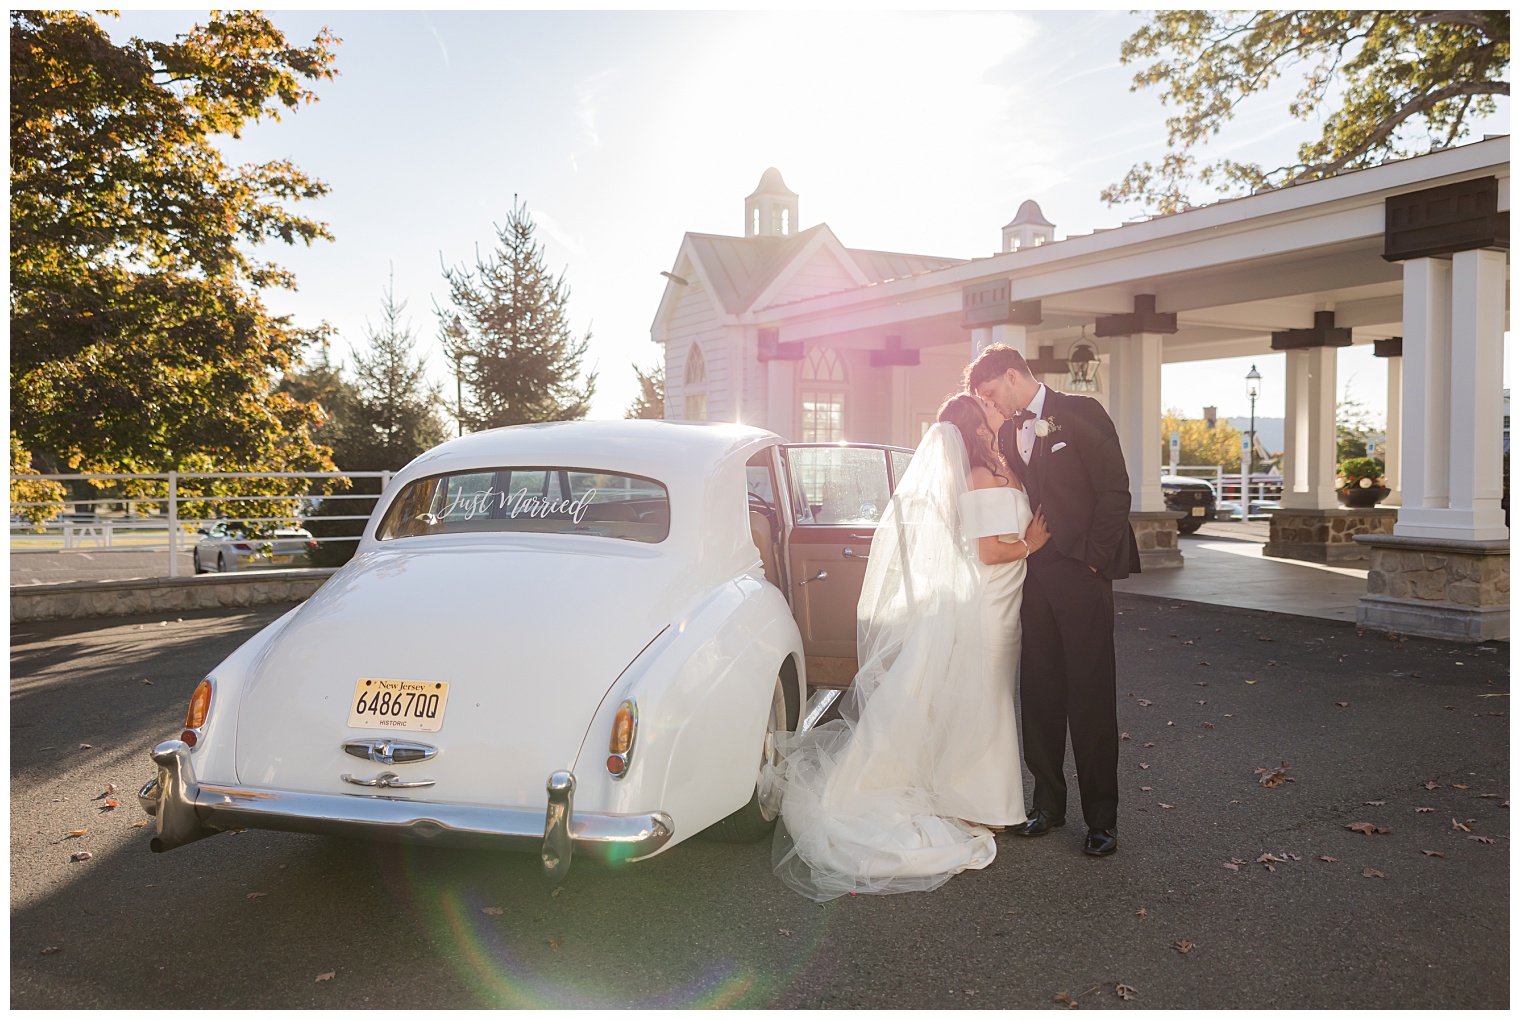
(318, 381)
(509, 333)
(396, 414)
(650, 403)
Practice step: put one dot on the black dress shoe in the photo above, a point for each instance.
(1100, 842)
(1039, 824)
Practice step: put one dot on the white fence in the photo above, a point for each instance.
(164, 527)
(1263, 491)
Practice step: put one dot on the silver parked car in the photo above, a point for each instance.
(226, 546)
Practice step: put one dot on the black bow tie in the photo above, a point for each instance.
(1020, 417)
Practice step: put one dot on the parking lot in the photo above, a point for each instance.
(1224, 893)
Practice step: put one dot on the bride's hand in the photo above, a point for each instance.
(1038, 533)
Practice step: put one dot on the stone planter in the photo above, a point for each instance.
(1356, 496)
(1326, 536)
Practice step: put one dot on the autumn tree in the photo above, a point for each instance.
(508, 329)
(139, 341)
(650, 403)
(396, 414)
(1384, 84)
(1200, 444)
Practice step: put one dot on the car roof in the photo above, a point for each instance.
(675, 453)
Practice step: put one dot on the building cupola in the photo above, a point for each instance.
(772, 210)
(1028, 229)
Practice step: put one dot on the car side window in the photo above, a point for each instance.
(838, 484)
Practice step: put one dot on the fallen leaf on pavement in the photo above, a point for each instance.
(1208, 725)
(556, 941)
(1458, 825)
(1250, 681)
(1142, 912)
(1374, 803)
(1185, 947)
(1125, 992)
(255, 895)
(1264, 858)
(1151, 744)
(1145, 789)
(493, 911)
(1344, 704)
(1296, 857)
(1063, 997)
(86, 747)
(1330, 860)
(1424, 810)
(139, 825)
(557, 890)
(76, 833)
(1368, 829)
(785, 931)
(1169, 807)
(1124, 736)
(1145, 766)
(1372, 873)
(1461, 787)
(145, 683)
(1230, 866)
(1147, 704)
(1481, 839)
(1273, 777)
(1489, 796)
(1431, 785)
(1432, 853)
(1203, 703)
(328, 976)
(110, 805)
(82, 855)
(48, 950)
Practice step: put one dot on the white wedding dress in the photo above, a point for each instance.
(884, 800)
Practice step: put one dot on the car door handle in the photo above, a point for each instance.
(851, 554)
(861, 538)
(822, 575)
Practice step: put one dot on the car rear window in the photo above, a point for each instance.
(542, 500)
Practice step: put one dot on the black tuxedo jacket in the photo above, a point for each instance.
(1077, 475)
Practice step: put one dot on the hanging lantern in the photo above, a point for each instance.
(1082, 363)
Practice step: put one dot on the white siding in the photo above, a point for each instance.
(692, 318)
(820, 274)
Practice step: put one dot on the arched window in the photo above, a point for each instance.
(822, 396)
(696, 385)
(786, 221)
(754, 229)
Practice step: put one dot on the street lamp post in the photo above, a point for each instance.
(1253, 387)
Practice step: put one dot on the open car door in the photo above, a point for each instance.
(837, 493)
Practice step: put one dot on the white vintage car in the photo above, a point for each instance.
(574, 638)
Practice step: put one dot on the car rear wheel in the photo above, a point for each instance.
(221, 563)
(1188, 525)
(755, 820)
(195, 561)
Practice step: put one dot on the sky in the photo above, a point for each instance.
(621, 131)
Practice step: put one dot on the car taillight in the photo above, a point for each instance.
(312, 545)
(242, 546)
(620, 747)
(200, 707)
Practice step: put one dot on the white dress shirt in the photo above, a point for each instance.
(1026, 428)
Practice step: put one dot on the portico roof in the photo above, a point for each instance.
(1234, 271)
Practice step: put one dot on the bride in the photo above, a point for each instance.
(902, 792)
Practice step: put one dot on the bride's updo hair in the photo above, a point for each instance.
(963, 411)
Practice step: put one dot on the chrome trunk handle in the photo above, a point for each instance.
(822, 575)
(389, 781)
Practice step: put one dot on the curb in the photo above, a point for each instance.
(82, 599)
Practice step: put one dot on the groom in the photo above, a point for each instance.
(1064, 449)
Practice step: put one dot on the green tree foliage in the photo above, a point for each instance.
(1369, 77)
(1353, 427)
(29, 490)
(509, 332)
(396, 416)
(650, 403)
(138, 339)
(1201, 446)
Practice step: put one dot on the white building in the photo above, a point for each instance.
(788, 329)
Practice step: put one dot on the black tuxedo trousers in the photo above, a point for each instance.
(1066, 678)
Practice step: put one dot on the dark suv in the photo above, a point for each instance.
(1193, 496)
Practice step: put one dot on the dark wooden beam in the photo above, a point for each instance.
(894, 354)
(1324, 333)
(1393, 347)
(988, 304)
(1442, 221)
(772, 349)
(1144, 319)
(1047, 363)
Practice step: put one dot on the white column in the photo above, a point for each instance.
(1135, 407)
(1393, 445)
(901, 410)
(1477, 397)
(781, 398)
(981, 339)
(1309, 434)
(1426, 402)
(1013, 336)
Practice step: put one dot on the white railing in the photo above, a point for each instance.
(69, 527)
(1261, 490)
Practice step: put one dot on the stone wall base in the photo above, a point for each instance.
(1326, 536)
(78, 599)
(1437, 588)
(1156, 535)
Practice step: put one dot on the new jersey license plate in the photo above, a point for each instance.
(415, 705)
(1197, 511)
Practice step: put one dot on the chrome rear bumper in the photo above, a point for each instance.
(186, 810)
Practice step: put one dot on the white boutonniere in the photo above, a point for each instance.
(1045, 426)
